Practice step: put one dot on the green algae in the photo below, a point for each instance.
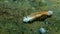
(12, 13)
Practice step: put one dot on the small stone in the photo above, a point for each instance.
(42, 30)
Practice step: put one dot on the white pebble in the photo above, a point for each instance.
(42, 30)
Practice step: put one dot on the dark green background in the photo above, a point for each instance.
(13, 11)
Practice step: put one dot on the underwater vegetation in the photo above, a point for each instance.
(13, 11)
